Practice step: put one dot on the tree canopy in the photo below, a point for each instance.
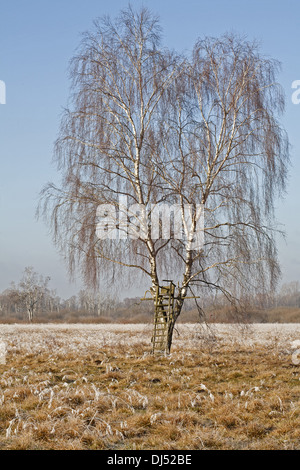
(148, 126)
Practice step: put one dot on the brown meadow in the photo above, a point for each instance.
(99, 387)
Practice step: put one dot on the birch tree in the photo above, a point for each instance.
(32, 290)
(148, 126)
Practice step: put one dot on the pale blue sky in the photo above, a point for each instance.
(37, 40)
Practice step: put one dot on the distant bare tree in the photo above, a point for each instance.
(152, 127)
(289, 294)
(32, 289)
(10, 301)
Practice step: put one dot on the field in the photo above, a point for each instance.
(98, 387)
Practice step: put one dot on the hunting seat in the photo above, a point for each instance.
(164, 311)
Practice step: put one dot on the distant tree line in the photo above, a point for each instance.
(32, 299)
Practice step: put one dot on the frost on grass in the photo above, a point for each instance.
(98, 386)
(59, 338)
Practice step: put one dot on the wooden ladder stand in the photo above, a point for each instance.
(164, 311)
(164, 314)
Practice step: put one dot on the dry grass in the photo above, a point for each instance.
(100, 388)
